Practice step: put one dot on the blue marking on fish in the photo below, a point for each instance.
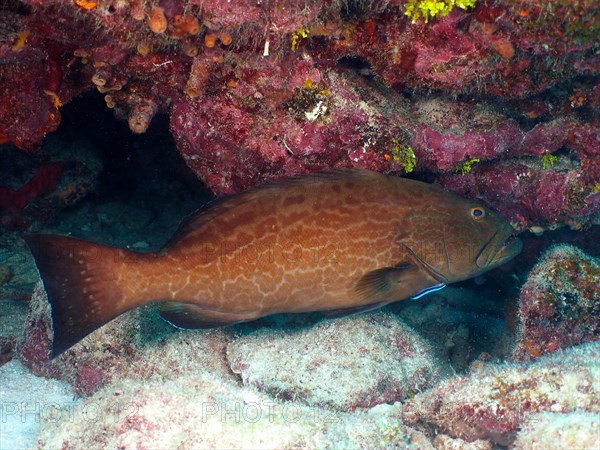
(429, 290)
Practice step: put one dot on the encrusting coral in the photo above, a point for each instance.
(428, 9)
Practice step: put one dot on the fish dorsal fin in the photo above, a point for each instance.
(335, 313)
(221, 205)
(201, 217)
(378, 283)
(190, 316)
(326, 176)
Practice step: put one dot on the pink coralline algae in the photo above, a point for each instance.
(535, 190)
(283, 122)
(559, 303)
(261, 90)
(498, 48)
(495, 402)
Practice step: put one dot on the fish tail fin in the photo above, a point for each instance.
(81, 281)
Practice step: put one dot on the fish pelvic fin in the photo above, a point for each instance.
(337, 313)
(189, 316)
(80, 280)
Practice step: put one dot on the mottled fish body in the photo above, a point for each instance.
(343, 241)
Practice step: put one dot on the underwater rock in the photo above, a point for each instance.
(201, 411)
(137, 344)
(7, 349)
(556, 430)
(445, 442)
(498, 48)
(497, 400)
(357, 361)
(559, 304)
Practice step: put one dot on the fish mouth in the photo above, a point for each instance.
(508, 250)
(501, 247)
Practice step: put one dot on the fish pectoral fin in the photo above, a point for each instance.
(191, 316)
(377, 284)
(335, 313)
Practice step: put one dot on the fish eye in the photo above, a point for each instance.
(477, 213)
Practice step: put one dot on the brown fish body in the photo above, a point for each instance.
(347, 240)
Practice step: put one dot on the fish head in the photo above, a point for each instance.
(462, 239)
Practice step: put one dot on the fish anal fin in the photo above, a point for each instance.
(336, 313)
(190, 316)
(379, 283)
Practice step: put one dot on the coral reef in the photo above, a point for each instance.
(494, 402)
(387, 362)
(559, 304)
(534, 192)
(269, 127)
(260, 90)
(496, 100)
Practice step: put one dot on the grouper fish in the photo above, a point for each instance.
(343, 242)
